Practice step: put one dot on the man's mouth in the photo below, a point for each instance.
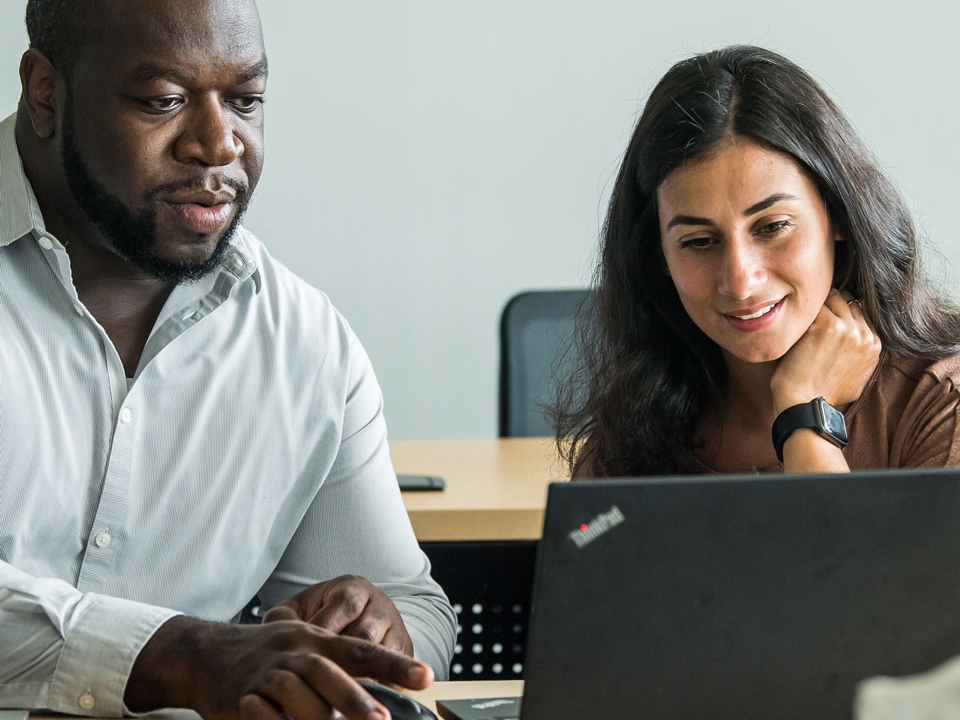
(200, 217)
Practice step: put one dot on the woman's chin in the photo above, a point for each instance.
(756, 355)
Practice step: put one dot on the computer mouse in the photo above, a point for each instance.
(400, 706)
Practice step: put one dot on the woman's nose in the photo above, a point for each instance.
(742, 270)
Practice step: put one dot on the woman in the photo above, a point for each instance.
(758, 293)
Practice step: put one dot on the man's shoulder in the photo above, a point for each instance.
(276, 283)
(289, 305)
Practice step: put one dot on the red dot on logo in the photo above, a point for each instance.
(583, 527)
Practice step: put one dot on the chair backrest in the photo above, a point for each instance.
(536, 350)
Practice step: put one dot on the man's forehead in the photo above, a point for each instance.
(220, 30)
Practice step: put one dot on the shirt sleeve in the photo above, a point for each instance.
(928, 434)
(357, 524)
(68, 651)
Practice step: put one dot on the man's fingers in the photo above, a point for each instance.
(254, 707)
(365, 659)
(396, 638)
(372, 625)
(340, 690)
(342, 607)
(298, 699)
(281, 612)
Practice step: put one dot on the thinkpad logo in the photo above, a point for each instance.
(602, 523)
(489, 704)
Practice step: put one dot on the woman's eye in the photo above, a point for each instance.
(775, 227)
(697, 242)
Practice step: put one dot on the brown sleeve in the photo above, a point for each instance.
(928, 434)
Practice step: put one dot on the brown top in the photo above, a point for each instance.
(906, 417)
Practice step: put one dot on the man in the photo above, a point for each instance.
(183, 423)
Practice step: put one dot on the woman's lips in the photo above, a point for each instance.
(203, 219)
(756, 323)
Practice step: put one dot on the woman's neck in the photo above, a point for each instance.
(748, 399)
(736, 433)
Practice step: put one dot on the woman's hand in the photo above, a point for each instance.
(834, 359)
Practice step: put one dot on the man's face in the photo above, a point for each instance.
(162, 129)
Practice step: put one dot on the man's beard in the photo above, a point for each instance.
(134, 234)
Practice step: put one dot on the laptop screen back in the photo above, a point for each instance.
(740, 597)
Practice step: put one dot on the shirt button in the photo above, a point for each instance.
(126, 415)
(45, 242)
(86, 701)
(103, 540)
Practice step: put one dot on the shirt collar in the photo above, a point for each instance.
(19, 210)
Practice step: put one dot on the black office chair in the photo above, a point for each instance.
(490, 583)
(536, 350)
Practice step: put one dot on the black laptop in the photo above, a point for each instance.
(737, 597)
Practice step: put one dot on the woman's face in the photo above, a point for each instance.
(749, 247)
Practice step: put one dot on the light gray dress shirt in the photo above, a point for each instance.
(248, 455)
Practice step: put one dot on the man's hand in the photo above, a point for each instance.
(265, 672)
(834, 359)
(347, 605)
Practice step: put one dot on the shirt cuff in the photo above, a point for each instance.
(99, 653)
(431, 645)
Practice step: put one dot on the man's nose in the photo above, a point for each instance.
(208, 137)
(742, 270)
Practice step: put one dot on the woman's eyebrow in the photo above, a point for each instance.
(689, 220)
(752, 210)
(767, 202)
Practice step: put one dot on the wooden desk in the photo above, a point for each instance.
(496, 489)
(438, 691)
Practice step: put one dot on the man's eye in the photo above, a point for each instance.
(248, 103)
(163, 104)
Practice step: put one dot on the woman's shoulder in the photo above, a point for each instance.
(911, 369)
(902, 382)
(907, 417)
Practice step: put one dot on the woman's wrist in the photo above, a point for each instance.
(807, 451)
(787, 399)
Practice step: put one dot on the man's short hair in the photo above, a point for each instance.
(57, 28)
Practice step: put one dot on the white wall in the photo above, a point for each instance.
(427, 159)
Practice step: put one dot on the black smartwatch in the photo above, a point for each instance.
(818, 415)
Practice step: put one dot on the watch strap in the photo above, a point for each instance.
(812, 415)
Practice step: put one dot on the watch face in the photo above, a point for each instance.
(833, 421)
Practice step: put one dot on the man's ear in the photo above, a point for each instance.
(39, 80)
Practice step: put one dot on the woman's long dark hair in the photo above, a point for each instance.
(648, 372)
